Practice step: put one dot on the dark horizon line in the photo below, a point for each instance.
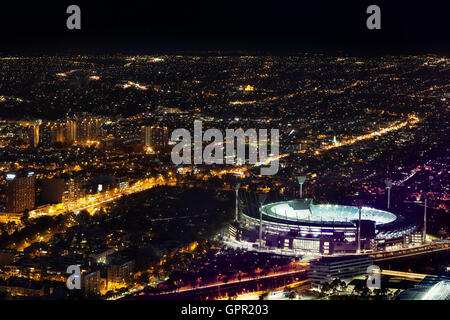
(216, 49)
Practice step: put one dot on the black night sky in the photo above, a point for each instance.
(276, 26)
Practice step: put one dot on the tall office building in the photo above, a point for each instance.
(88, 128)
(155, 137)
(51, 133)
(33, 135)
(20, 191)
(71, 131)
(90, 283)
(44, 135)
(58, 133)
(61, 190)
(145, 136)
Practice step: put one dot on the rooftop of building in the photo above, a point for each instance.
(341, 259)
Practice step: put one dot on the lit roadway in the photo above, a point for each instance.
(231, 286)
(411, 120)
(402, 274)
(409, 252)
(95, 201)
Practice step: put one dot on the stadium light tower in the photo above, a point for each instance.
(359, 203)
(388, 183)
(261, 198)
(301, 180)
(236, 217)
(424, 230)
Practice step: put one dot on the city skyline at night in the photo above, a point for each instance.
(253, 151)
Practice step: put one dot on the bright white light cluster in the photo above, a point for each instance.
(293, 210)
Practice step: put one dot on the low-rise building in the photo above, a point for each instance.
(329, 268)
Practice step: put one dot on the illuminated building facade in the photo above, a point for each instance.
(51, 133)
(71, 131)
(119, 271)
(155, 137)
(34, 136)
(61, 190)
(20, 191)
(88, 128)
(329, 268)
(90, 283)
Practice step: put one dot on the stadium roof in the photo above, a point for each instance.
(307, 213)
(430, 288)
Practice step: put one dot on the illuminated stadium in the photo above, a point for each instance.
(305, 211)
(302, 227)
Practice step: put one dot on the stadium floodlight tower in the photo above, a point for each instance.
(301, 180)
(424, 230)
(388, 183)
(359, 203)
(238, 185)
(261, 198)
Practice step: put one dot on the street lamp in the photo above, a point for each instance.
(388, 183)
(359, 203)
(301, 180)
(261, 198)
